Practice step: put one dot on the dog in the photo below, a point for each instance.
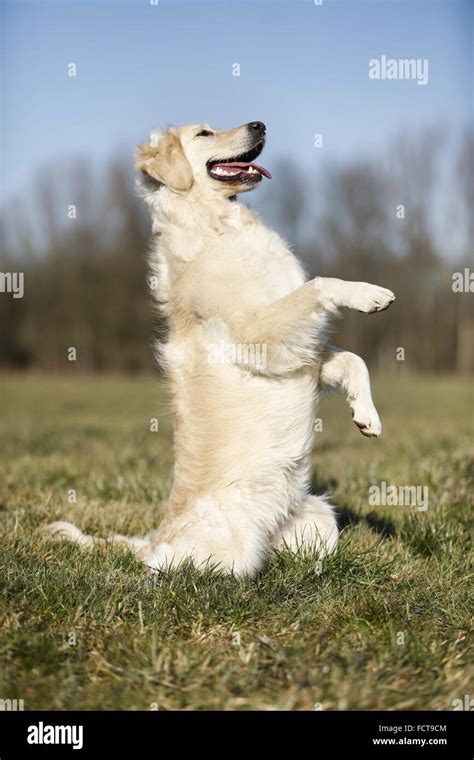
(246, 359)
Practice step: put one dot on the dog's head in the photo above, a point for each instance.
(201, 156)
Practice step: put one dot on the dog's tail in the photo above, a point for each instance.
(69, 532)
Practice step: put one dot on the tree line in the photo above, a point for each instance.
(401, 219)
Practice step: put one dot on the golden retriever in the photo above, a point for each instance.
(246, 358)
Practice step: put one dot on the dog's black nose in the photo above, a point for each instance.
(257, 126)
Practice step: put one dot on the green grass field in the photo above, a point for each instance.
(384, 624)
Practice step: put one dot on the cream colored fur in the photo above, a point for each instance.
(246, 359)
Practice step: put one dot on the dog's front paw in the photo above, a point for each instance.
(366, 418)
(371, 298)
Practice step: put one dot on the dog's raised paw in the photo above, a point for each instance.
(370, 299)
(366, 418)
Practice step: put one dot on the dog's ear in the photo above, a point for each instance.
(166, 163)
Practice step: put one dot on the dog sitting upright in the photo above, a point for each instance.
(246, 358)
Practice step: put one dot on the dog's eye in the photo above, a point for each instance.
(204, 133)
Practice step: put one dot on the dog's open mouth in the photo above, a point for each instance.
(239, 168)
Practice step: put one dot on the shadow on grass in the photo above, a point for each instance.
(347, 516)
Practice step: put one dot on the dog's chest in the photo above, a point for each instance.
(258, 262)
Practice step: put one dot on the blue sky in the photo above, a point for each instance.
(304, 69)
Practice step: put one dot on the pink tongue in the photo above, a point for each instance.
(240, 165)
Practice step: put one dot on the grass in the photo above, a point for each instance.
(384, 624)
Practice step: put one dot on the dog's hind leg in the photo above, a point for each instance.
(69, 532)
(312, 527)
(343, 371)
